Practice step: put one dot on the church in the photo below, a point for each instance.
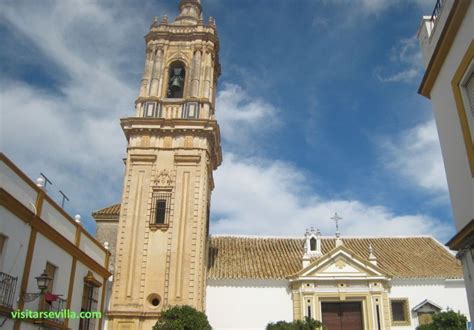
(163, 255)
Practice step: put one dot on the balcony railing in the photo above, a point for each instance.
(437, 10)
(7, 289)
(57, 306)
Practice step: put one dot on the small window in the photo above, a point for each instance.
(160, 213)
(312, 244)
(400, 312)
(161, 209)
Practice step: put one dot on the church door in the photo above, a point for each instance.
(342, 315)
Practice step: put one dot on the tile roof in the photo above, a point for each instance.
(233, 257)
(110, 211)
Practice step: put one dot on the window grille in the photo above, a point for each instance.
(89, 304)
(160, 208)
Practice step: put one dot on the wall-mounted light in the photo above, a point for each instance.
(43, 282)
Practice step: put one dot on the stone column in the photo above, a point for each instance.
(147, 73)
(155, 77)
(206, 88)
(196, 74)
(211, 76)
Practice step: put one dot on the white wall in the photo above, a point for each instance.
(47, 251)
(56, 219)
(247, 304)
(460, 181)
(445, 293)
(15, 249)
(93, 249)
(17, 187)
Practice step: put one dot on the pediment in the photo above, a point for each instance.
(340, 262)
(340, 265)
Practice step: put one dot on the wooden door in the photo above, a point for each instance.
(342, 315)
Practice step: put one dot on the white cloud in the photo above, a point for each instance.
(406, 63)
(376, 6)
(72, 133)
(81, 154)
(416, 155)
(263, 197)
(243, 118)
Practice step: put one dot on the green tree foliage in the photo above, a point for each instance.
(182, 318)
(307, 324)
(448, 320)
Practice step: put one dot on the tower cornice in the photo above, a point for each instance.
(160, 126)
(184, 33)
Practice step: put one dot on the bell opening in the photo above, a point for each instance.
(177, 75)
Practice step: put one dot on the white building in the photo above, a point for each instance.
(365, 283)
(377, 283)
(447, 45)
(37, 236)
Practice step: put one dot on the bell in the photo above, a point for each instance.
(176, 83)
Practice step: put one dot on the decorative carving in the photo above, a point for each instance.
(155, 23)
(340, 263)
(164, 179)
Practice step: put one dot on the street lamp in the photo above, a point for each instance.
(43, 282)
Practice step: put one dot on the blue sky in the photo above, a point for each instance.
(317, 105)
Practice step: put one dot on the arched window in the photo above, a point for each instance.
(312, 244)
(177, 75)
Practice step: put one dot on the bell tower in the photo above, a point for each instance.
(173, 149)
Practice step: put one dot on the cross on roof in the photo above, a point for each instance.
(337, 218)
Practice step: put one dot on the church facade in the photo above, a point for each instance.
(159, 233)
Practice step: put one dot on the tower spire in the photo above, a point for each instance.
(190, 11)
